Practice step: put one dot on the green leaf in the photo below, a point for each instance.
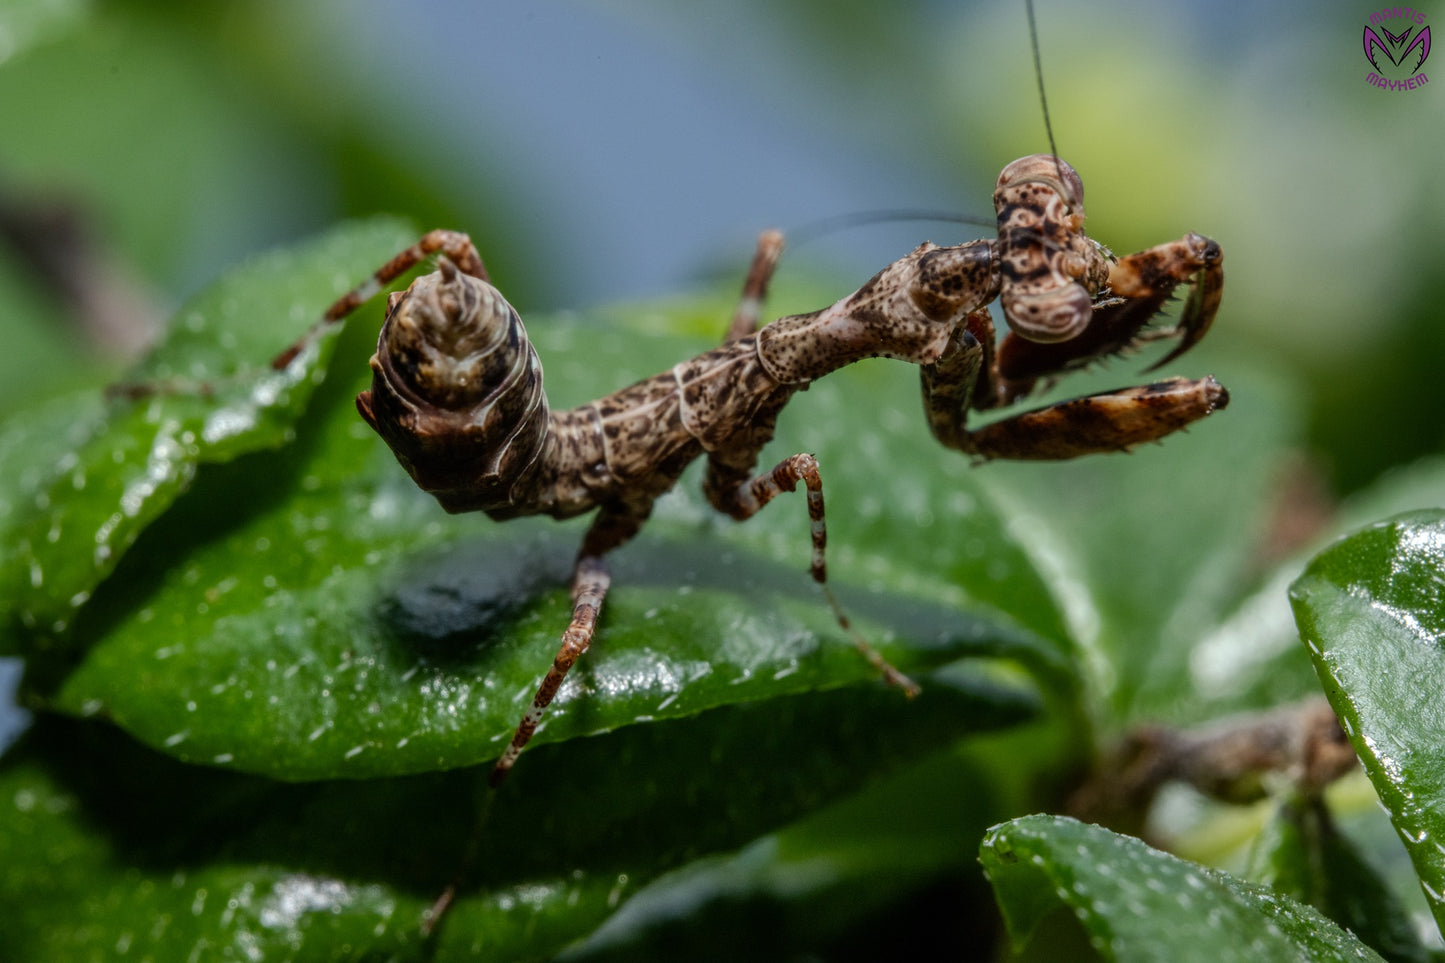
(106, 844)
(1148, 552)
(1301, 854)
(1137, 903)
(83, 478)
(306, 612)
(1253, 658)
(823, 880)
(351, 628)
(1371, 609)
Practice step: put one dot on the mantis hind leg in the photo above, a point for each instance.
(590, 582)
(613, 527)
(744, 499)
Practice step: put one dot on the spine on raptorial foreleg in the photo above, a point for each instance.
(457, 391)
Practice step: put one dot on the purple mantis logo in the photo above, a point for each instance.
(1400, 51)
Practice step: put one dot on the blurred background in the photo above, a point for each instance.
(603, 152)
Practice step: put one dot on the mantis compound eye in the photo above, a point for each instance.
(1052, 172)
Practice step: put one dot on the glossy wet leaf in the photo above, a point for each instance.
(306, 612)
(353, 629)
(1253, 658)
(1371, 608)
(1137, 903)
(87, 476)
(818, 882)
(1151, 550)
(1301, 854)
(106, 844)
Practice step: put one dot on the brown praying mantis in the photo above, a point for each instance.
(457, 388)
